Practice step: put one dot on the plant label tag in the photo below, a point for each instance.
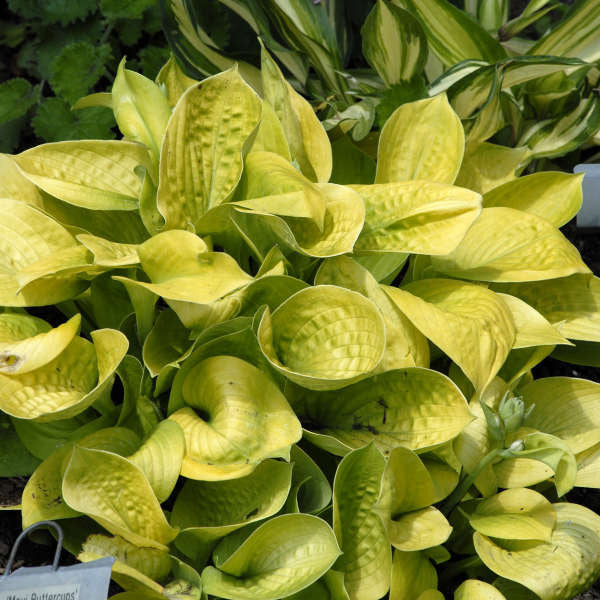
(589, 215)
(86, 581)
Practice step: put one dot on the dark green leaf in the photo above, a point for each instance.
(15, 459)
(16, 96)
(53, 11)
(124, 9)
(396, 95)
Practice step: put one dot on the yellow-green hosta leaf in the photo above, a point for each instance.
(264, 568)
(174, 80)
(521, 472)
(588, 468)
(554, 196)
(421, 140)
(116, 494)
(14, 185)
(201, 153)
(513, 590)
(367, 558)
(25, 355)
(109, 254)
(63, 170)
(393, 43)
(487, 166)
(270, 136)
(235, 417)
(206, 511)
(412, 574)
(323, 337)
(532, 329)
(141, 109)
(467, 322)
(415, 408)
(419, 530)
(515, 514)
(473, 589)
(443, 476)
(555, 570)
(406, 346)
(507, 245)
(310, 491)
(15, 327)
(308, 141)
(160, 458)
(418, 217)
(431, 595)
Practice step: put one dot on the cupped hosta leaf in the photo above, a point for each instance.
(588, 467)
(22, 355)
(393, 43)
(555, 570)
(418, 217)
(412, 574)
(201, 153)
(505, 244)
(270, 136)
(415, 408)
(308, 141)
(63, 170)
(323, 337)
(310, 491)
(115, 493)
(14, 185)
(515, 514)
(367, 558)
(406, 346)
(458, 317)
(473, 589)
(141, 109)
(109, 254)
(235, 417)
(419, 530)
(174, 80)
(554, 196)
(206, 511)
(283, 556)
(421, 140)
(20, 326)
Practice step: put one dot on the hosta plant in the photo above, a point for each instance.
(245, 380)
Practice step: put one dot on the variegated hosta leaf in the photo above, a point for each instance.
(554, 196)
(507, 245)
(206, 511)
(412, 574)
(473, 589)
(283, 556)
(406, 346)
(323, 337)
(201, 153)
(515, 514)
(67, 385)
(418, 217)
(414, 408)
(25, 354)
(235, 417)
(13, 184)
(367, 558)
(393, 43)
(571, 304)
(308, 141)
(421, 140)
(467, 322)
(141, 109)
(63, 170)
(30, 239)
(174, 80)
(555, 570)
(94, 484)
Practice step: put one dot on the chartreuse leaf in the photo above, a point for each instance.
(418, 217)
(206, 511)
(310, 491)
(405, 346)
(235, 417)
(20, 326)
(174, 80)
(67, 385)
(473, 589)
(457, 317)
(283, 556)
(421, 140)
(270, 136)
(416, 408)
(393, 43)
(412, 574)
(367, 558)
(109, 254)
(14, 185)
(19, 356)
(555, 570)
(308, 141)
(94, 482)
(588, 467)
(418, 530)
(323, 337)
(201, 153)
(505, 244)
(538, 193)
(141, 109)
(515, 514)
(63, 170)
